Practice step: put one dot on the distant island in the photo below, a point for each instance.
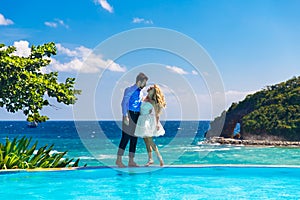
(271, 114)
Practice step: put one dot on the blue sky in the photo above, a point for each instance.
(254, 43)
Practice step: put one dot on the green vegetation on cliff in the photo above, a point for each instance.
(276, 110)
(273, 111)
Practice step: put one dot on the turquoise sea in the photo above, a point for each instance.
(193, 170)
(95, 143)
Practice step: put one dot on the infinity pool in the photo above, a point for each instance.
(174, 182)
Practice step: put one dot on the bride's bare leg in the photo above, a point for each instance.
(155, 148)
(149, 150)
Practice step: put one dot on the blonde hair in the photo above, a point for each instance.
(159, 99)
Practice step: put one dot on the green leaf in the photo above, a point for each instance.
(25, 88)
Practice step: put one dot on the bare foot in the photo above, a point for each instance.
(120, 164)
(132, 164)
(150, 162)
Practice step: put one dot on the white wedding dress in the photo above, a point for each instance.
(146, 124)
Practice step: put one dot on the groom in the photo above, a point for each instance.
(131, 103)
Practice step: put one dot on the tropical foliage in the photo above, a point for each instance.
(23, 86)
(18, 154)
(274, 110)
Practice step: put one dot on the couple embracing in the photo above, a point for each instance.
(141, 119)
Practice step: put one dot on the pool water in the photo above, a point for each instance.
(254, 172)
(174, 182)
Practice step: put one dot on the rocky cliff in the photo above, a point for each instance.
(273, 112)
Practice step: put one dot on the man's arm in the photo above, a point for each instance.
(125, 105)
(125, 102)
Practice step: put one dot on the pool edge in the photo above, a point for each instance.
(154, 166)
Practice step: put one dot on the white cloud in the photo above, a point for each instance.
(236, 96)
(176, 70)
(84, 60)
(22, 48)
(51, 24)
(78, 59)
(105, 5)
(205, 73)
(73, 65)
(194, 72)
(67, 51)
(62, 23)
(56, 23)
(138, 20)
(210, 110)
(4, 21)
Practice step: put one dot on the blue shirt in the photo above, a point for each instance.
(131, 100)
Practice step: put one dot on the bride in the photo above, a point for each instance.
(148, 124)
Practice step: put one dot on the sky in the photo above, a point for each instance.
(252, 43)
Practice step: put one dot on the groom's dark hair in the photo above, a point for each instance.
(141, 77)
